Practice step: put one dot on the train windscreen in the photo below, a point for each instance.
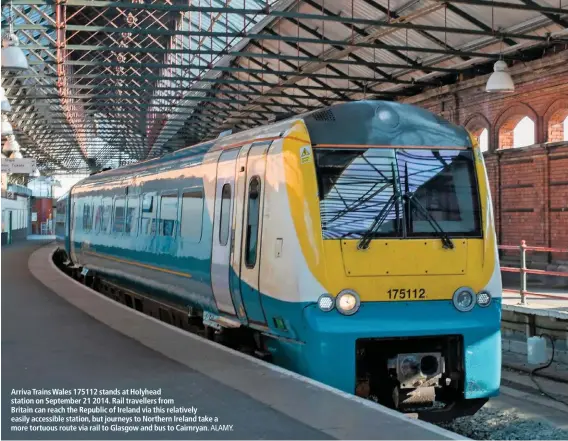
(397, 193)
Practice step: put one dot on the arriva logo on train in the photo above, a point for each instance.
(305, 155)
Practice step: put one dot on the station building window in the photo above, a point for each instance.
(192, 214)
(558, 126)
(523, 133)
(517, 131)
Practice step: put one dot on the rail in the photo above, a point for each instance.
(523, 270)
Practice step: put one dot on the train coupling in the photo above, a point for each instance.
(417, 370)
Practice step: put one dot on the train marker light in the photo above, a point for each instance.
(483, 299)
(347, 302)
(464, 299)
(325, 302)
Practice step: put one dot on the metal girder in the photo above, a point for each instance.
(264, 11)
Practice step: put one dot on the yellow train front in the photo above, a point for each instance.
(390, 211)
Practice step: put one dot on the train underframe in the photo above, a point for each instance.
(420, 376)
(423, 376)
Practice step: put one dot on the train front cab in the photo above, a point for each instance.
(408, 314)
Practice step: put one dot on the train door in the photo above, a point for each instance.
(222, 234)
(248, 222)
(72, 227)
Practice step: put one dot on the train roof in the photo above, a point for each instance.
(353, 123)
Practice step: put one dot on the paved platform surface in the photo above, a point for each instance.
(58, 333)
(546, 306)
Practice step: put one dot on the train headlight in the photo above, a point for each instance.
(483, 299)
(347, 302)
(464, 299)
(326, 303)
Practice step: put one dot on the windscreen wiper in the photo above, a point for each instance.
(446, 241)
(381, 217)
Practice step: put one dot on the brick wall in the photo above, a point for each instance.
(529, 185)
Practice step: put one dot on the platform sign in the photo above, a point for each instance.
(24, 165)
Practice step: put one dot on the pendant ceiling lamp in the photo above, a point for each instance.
(4, 99)
(16, 155)
(13, 57)
(6, 127)
(500, 80)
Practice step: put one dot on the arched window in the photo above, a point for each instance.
(523, 133)
(483, 139)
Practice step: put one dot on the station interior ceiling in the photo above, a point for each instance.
(115, 82)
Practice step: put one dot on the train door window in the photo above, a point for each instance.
(168, 214)
(225, 214)
(131, 215)
(192, 214)
(118, 222)
(252, 222)
(106, 214)
(148, 224)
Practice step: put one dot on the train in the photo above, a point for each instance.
(354, 245)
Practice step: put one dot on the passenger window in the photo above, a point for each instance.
(87, 217)
(148, 215)
(252, 222)
(118, 225)
(225, 215)
(98, 218)
(131, 215)
(107, 208)
(168, 214)
(192, 214)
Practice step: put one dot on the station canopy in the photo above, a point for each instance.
(110, 83)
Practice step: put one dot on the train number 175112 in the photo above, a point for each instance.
(406, 294)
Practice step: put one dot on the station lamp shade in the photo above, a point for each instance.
(5, 103)
(13, 57)
(7, 129)
(16, 155)
(500, 81)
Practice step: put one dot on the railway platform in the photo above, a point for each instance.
(56, 333)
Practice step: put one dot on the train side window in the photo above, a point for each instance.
(168, 214)
(106, 212)
(225, 215)
(148, 224)
(98, 217)
(131, 215)
(87, 217)
(192, 214)
(118, 224)
(252, 222)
